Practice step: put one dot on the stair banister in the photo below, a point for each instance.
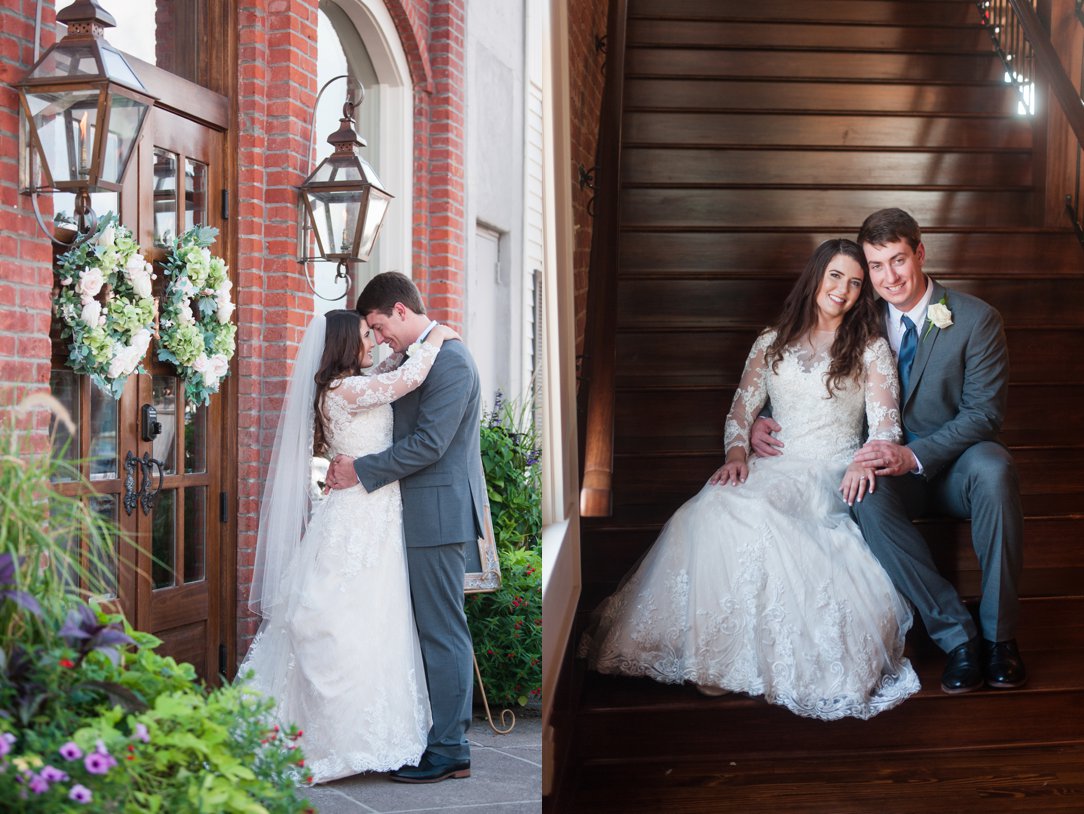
(597, 382)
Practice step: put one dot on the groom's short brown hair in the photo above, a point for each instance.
(386, 289)
(887, 226)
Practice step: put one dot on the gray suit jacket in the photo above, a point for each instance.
(436, 454)
(959, 383)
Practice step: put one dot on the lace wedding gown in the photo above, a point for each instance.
(768, 588)
(342, 660)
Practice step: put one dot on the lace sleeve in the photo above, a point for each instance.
(363, 392)
(750, 396)
(388, 365)
(882, 393)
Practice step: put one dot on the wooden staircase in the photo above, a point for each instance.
(752, 131)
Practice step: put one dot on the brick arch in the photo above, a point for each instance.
(406, 15)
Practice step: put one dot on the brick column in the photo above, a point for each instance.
(276, 90)
(26, 275)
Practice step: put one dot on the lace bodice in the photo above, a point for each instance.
(358, 412)
(815, 426)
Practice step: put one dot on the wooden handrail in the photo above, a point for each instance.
(1046, 56)
(597, 380)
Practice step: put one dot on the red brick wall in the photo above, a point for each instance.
(433, 34)
(586, 20)
(276, 89)
(26, 276)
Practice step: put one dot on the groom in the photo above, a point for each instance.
(954, 370)
(436, 458)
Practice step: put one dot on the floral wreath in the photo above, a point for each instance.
(106, 305)
(195, 332)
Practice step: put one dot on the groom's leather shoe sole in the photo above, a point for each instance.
(963, 672)
(429, 771)
(1003, 666)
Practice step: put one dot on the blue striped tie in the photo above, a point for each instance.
(908, 346)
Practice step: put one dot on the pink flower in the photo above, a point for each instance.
(53, 775)
(80, 793)
(69, 751)
(38, 784)
(98, 764)
(142, 733)
(7, 740)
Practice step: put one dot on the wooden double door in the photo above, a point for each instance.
(156, 462)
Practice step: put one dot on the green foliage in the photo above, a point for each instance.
(506, 626)
(510, 453)
(91, 717)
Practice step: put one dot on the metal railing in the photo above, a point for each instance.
(1026, 49)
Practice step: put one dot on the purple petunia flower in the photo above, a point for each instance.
(7, 740)
(53, 774)
(142, 733)
(69, 751)
(38, 784)
(80, 793)
(98, 764)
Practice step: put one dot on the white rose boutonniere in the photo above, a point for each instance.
(939, 315)
(414, 348)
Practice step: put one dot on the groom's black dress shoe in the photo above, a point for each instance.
(432, 769)
(1003, 666)
(963, 672)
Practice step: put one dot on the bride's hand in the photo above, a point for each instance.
(444, 333)
(857, 481)
(734, 473)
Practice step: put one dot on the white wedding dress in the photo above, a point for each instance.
(341, 658)
(768, 588)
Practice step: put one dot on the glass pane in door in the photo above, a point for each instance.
(103, 435)
(164, 390)
(195, 533)
(64, 385)
(195, 438)
(164, 540)
(165, 197)
(103, 571)
(195, 193)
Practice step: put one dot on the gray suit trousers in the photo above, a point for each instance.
(980, 485)
(436, 592)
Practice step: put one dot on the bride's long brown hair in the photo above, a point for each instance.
(342, 345)
(860, 326)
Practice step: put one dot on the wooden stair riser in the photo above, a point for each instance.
(747, 63)
(914, 37)
(933, 12)
(824, 169)
(869, 131)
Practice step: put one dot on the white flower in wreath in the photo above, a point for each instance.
(225, 310)
(140, 273)
(207, 368)
(220, 366)
(940, 315)
(90, 283)
(92, 311)
(108, 236)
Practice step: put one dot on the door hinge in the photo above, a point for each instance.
(223, 508)
(225, 204)
(222, 659)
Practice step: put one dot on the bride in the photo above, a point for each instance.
(337, 648)
(762, 583)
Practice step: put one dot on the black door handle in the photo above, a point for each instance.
(146, 497)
